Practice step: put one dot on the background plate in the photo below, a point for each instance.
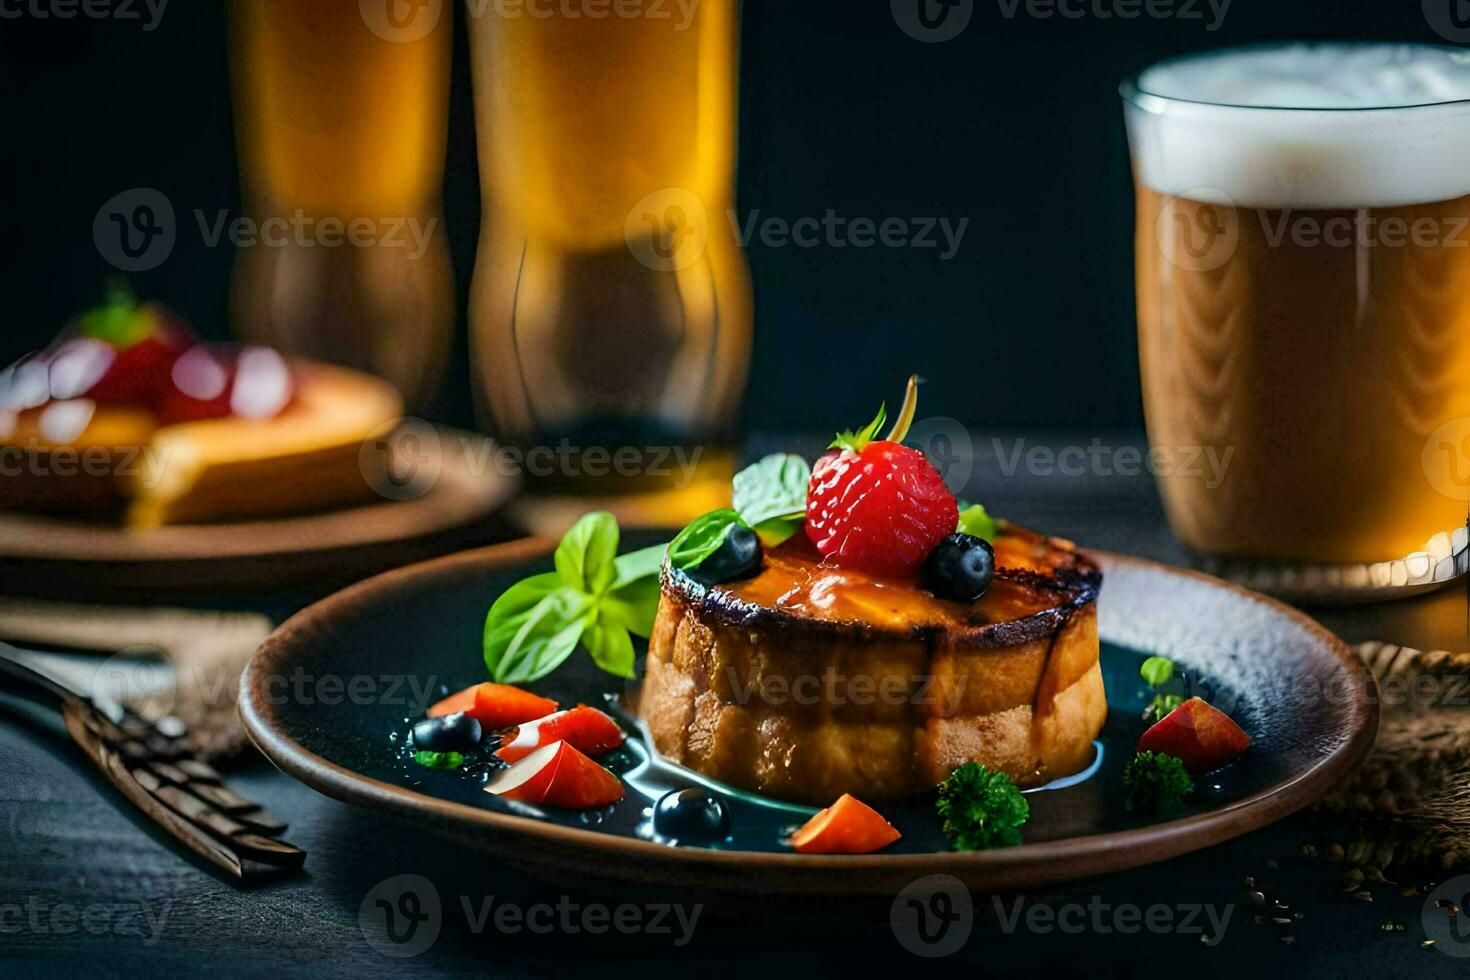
(333, 688)
(77, 559)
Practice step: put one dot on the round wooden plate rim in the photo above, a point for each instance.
(1042, 862)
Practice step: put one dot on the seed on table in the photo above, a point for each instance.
(1309, 851)
(1256, 898)
(1336, 853)
(1373, 873)
(1350, 880)
(1427, 944)
(1363, 896)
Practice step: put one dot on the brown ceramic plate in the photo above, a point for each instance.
(455, 489)
(382, 647)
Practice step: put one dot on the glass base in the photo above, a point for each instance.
(1444, 558)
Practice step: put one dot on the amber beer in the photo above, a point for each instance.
(611, 303)
(1303, 286)
(341, 113)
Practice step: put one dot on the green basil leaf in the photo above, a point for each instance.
(643, 564)
(632, 606)
(586, 557)
(775, 487)
(611, 647)
(509, 614)
(976, 522)
(1156, 670)
(547, 636)
(702, 538)
(439, 760)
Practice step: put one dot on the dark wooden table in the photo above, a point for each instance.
(87, 889)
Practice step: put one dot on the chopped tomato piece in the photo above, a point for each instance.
(848, 826)
(585, 729)
(1201, 736)
(495, 706)
(558, 775)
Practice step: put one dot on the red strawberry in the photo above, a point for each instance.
(879, 506)
(212, 382)
(146, 339)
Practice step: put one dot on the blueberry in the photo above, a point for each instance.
(960, 567)
(692, 816)
(448, 733)
(738, 555)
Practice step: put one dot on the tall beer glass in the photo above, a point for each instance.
(611, 306)
(341, 113)
(1303, 281)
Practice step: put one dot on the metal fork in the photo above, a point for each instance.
(152, 763)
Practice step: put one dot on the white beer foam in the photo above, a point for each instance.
(1306, 126)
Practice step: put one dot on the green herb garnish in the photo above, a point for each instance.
(848, 439)
(439, 760)
(594, 597)
(1159, 708)
(702, 538)
(1156, 672)
(119, 321)
(981, 808)
(976, 522)
(770, 496)
(1156, 781)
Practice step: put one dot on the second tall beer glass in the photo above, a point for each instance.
(1303, 275)
(611, 307)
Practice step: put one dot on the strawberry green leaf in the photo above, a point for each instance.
(857, 440)
(975, 522)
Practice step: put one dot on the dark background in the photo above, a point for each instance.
(1015, 124)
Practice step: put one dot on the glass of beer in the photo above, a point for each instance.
(341, 109)
(1303, 286)
(611, 308)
